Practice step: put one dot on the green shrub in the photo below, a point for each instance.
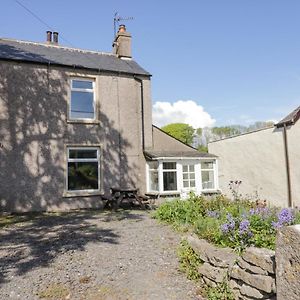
(189, 260)
(221, 292)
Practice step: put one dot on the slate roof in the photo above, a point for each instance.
(152, 154)
(64, 56)
(290, 119)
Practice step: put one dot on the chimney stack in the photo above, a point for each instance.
(122, 43)
(49, 36)
(55, 37)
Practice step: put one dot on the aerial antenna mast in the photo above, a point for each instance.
(117, 19)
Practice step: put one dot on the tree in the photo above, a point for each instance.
(180, 131)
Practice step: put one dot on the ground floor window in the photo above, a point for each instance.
(208, 175)
(170, 176)
(153, 176)
(182, 175)
(83, 172)
(188, 176)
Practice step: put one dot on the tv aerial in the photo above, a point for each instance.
(117, 19)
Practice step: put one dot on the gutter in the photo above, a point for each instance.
(142, 109)
(287, 163)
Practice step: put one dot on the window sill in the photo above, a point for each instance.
(97, 122)
(212, 191)
(68, 194)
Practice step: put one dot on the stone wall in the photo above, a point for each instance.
(288, 263)
(250, 276)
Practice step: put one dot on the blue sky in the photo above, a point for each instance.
(237, 59)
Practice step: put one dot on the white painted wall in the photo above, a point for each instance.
(258, 160)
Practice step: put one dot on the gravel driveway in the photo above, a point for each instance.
(92, 255)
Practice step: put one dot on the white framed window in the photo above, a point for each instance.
(169, 172)
(153, 176)
(188, 176)
(83, 171)
(208, 175)
(82, 103)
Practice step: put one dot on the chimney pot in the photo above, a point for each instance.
(49, 36)
(122, 28)
(55, 37)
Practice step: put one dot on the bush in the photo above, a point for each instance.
(236, 224)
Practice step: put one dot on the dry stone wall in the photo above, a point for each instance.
(250, 276)
(288, 263)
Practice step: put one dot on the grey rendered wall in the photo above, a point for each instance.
(34, 133)
(164, 142)
(258, 159)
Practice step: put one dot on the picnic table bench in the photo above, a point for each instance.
(131, 194)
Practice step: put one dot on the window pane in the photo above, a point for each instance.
(185, 176)
(82, 105)
(185, 184)
(169, 165)
(192, 168)
(84, 153)
(83, 176)
(185, 168)
(192, 175)
(153, 165)
(192, 183)
(82, 84)
(153, 181)
(208, 179)
(170, 181)
(207, 165)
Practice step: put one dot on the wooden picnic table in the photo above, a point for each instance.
(119, 194)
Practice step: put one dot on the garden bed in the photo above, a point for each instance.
(230, 245)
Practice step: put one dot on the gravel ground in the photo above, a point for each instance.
(90, 255)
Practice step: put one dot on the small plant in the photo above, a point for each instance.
(189, 260)
(221, 292)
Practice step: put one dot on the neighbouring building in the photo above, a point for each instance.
(266, 161)
(75, 123)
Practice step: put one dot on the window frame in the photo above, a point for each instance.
(169, 171)
(85, 192)
(93, 90)
(213, 169)
(188, 172)
(180, 163)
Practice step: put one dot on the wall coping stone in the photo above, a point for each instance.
(261, 257)
(219, 257)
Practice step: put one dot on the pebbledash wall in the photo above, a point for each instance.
(258, 160)
(35, 132)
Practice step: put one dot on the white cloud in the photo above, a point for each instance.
(181, 112)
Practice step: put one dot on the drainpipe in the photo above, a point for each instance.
(142, 108)
(287, 163)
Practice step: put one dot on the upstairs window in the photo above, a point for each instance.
(82, 104)
(208, 175)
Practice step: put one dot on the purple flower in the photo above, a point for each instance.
(285, 217)
(244, 228)
(213, 214)
(225, 228)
